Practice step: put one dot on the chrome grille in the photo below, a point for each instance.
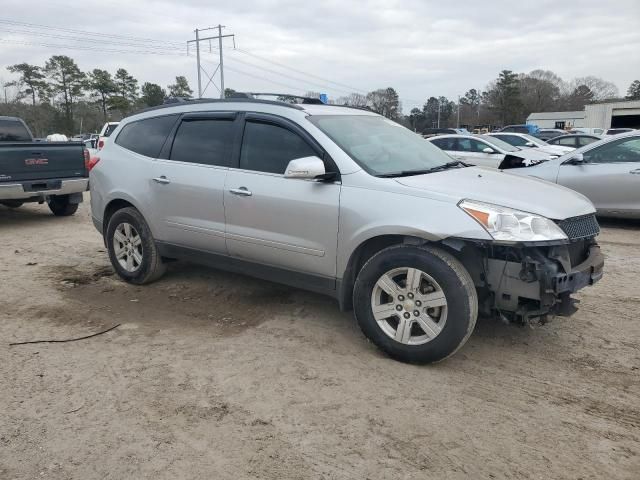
(580, 227)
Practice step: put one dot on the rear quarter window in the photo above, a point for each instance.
(147, 136)
(13, 131)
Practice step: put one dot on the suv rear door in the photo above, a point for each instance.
(278, 221)
(187, 182)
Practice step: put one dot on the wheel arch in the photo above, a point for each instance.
(363, 252)
(117, 203)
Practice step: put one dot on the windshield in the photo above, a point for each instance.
(502, 145)
(379, 145)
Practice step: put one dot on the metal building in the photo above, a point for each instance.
(563, 120)
(624, 114)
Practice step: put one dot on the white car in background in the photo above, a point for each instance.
(487, 151)
(523, 140)
(106, 131)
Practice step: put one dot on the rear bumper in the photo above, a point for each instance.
(35, 189)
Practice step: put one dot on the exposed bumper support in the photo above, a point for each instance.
(540, 284)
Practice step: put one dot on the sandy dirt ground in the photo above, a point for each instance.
(220, 376)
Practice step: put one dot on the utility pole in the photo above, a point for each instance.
(458, 121)
(198, 62)
(220, 65)
(221, 61)
(439, 113)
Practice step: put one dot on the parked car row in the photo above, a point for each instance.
(605, 170)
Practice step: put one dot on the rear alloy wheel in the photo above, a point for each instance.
(417, 303)
(132, 249)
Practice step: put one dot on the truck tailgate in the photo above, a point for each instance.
(41, 161)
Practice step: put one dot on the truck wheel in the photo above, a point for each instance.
(416, 303)
(61, 207)
(132, 249)
(12, 203)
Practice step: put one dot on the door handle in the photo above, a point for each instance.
(241, 191)
(162, 180)
(635, 172)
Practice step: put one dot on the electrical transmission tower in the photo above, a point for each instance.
(220, 66)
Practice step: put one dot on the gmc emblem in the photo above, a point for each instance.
(36, 161)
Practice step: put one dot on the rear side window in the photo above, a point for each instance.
(204, 141)
(269, 148)
(582, 141)
(471, 145)
(567, 141)
(445, 143)
(13, 131)
(513, 140)
(147, 136)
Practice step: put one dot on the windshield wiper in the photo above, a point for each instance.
(438, 168)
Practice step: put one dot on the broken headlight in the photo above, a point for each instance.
(507, 224)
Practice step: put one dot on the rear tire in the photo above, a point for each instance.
(61, 207)
(132, 249)
(424, 299)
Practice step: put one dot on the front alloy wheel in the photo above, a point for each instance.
(409, 306)
(416, 302)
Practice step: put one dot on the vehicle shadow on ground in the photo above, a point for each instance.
(15, 217)
(624, 223)
(214, 302)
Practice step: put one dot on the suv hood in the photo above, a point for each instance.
(501, 188)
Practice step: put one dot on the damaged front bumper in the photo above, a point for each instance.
(533, 282)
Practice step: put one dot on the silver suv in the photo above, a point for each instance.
(344, 202)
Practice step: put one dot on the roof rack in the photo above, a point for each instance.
(178, 101)
(305, 100)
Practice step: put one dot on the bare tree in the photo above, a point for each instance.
(601, 89)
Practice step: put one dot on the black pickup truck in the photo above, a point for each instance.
(52, 172)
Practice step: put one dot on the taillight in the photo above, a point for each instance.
(100, 144)
(93, 161)
(87, 158)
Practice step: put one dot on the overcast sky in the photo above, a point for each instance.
(421, 48)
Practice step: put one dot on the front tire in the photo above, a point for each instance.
(416, 303)
(132, 249)
(61, 207)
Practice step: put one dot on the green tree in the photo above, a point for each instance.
(180, 88)
(385, 101)
(152, 94)
(228, 92)
(633, 93)
(503, 96)
(101, 85)
(32, 77)
(579, 97)
(66, 80)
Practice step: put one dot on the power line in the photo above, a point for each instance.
(352, 89)
(241, 72)
(297, 79)
(90, 40)
(79, 47)
(84, 32)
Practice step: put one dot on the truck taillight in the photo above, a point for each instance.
(93, 161)
(87, 158)
(100, 144)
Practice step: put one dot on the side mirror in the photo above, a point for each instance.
(306, 168)
(577, 159)
(488, 150)
(529, 144)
